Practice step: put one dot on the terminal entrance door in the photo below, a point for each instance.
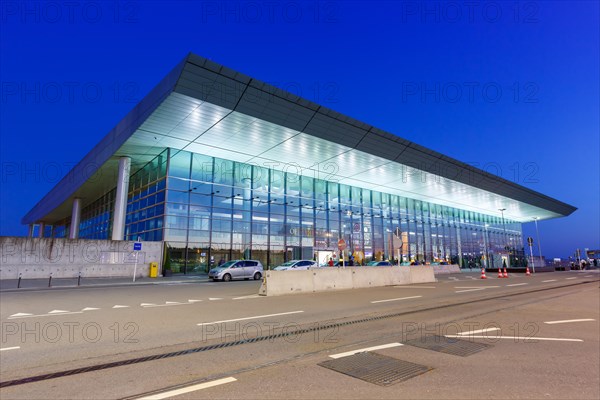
(323, 257)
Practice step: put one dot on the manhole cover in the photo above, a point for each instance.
(376, 368)
(457, 347)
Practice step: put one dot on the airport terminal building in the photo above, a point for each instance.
(220, 166)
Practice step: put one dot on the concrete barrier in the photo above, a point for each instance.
(277, 283)
(34, 258)
(422, 274)
(446, 269)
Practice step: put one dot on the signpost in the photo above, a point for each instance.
(342, 247)
(137, 247)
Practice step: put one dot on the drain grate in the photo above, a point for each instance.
(376, 368)
(457, 347)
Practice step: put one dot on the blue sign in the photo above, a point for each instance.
(137, 246)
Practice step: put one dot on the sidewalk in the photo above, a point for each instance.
(11, 285)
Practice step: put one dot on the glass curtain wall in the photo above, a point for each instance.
(218, 210)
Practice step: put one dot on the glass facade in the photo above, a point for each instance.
(218, 209)
(209, 210)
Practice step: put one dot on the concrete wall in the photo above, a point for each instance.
(65, 258)
(277, 283)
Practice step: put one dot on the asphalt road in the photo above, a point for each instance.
(542, 331)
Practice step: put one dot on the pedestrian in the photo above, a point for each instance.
(330, 263)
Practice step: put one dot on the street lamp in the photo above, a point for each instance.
(538, 238)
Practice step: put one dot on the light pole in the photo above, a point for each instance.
(538, 239)
(504, 230)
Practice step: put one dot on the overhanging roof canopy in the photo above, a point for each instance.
(206, 108)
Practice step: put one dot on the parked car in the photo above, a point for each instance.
(379, 264)
(296, 265)
(237, 269)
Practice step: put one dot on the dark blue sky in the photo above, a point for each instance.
(510, 87)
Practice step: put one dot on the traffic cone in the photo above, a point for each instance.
(527, 273)
(500, 276)
(505, 275)
(483, 273)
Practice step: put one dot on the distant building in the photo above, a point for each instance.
(219, 165)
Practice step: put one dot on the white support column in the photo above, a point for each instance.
(30, 234)
(75, 219)
(118, 226)
(42, 228)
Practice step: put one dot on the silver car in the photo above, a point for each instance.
(237, 269)
(296, 265)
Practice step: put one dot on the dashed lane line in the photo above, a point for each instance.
(517, 284)
(350, 353)
(167, 304)
(569, 320)
(571, 278)
(549, 280)
(20, 315)
(414, 287)
(254, 296)
(525, 339)
(470, 290)
(247, 318)
(474, 287)
(10, 348)
(400, 298)
(193, 388)
(469, 333)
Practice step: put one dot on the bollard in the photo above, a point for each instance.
(79, 280)
(50, 280)
(19, 282)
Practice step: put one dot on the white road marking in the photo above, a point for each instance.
(193, 301)
(17, 316)
(350, 353)
(518, 284)
(569, 320)
(477, 331)
(10, 348)
(247, 318)
(193, 388)
(57, 311)
(173, 302)
(120, 306)
(549, 280)
(20, 315)
(168, 304)
(474, 287)
(89, 309)
(147, 304)
(415, 287)
(469, 290)
(401, 298)
(532, 338)
(215, 298)
(254, 296)
(571, 278)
